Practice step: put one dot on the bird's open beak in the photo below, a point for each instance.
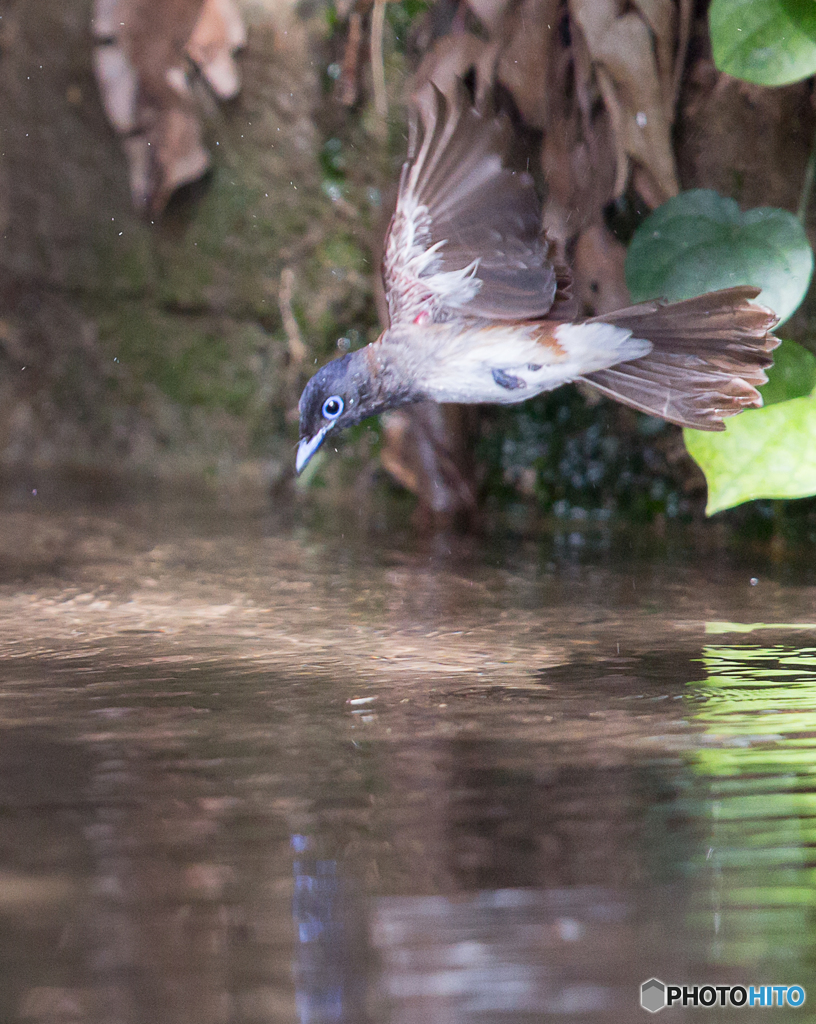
(308, 446)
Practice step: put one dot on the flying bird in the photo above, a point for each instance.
(473, 301)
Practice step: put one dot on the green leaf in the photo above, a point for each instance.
(700, 241)
(793, 374)
(768, 42)
(763, 453)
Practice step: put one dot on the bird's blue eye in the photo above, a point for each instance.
(332, 407)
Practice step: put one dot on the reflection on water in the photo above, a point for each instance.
(759, 710)
(251, 774)
(498, 954)
(329, 969)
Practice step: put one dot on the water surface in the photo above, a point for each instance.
(250, 771)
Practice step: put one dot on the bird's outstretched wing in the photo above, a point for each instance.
(466, 233)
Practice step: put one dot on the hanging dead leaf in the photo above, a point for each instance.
(600, 282)
(348, 84)
(491, 13)
(452, 58)
(528, 41)
(631, 53)
(218, 33)
(142, 64)
(425, 450)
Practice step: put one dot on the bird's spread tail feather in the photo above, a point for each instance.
(709, 355)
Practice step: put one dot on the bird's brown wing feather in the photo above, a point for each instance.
(466, 233)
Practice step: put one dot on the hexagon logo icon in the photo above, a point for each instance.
(653, 995)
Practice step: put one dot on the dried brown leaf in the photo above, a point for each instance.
(426, 450)
(118, 85)
(632, 55)
(348, 84)
(452, 57)
(492, 13)
(141, 62)
(661, 18)
(218, 33)
(527, 43)
(600, 284)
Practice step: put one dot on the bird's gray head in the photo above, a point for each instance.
(339, 395)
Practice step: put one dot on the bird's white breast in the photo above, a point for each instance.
(509, 363)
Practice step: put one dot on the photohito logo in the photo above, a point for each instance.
(656, 994)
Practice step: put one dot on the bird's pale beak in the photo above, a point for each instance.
(308, 446)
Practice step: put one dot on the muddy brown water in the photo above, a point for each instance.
(255, 771)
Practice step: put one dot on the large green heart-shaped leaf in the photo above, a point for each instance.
(700, 241)
(769, 42)
(763, 453)
(793, 374)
